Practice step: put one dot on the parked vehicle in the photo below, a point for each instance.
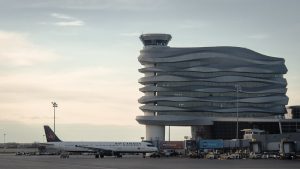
(195, 155)
(254, 156)
(170, 153)
(154, 155)
(234, 156)
(210, 155)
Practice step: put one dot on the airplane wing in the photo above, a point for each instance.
(46, 144)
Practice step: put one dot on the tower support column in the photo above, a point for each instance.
(155, 133)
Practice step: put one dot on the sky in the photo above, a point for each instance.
(82, 54)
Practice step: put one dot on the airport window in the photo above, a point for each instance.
(147, 42)
(206, 83)
(217, 74)
(204, 94)
(161, 42)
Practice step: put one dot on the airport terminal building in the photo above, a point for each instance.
(215, 90)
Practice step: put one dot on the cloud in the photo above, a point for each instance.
(61, 16)
(131, 34)
(66, 20)
(192, 24)
(83, 95)
(258, 36)
(17, 50)
(70, 23)
(137, 5)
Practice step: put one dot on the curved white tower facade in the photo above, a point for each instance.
(192, 86)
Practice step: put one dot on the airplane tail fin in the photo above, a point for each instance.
(50, 135)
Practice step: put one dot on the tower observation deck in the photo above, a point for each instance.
(155, 39)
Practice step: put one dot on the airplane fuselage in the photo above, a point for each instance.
(118, 147)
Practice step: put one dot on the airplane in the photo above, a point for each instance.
(100, 149)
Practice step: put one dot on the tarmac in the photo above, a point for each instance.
(137, 162)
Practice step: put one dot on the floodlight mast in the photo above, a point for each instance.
(238, 89)
(54, 104)
(4, 135)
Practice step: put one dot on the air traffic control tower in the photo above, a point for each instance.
(215, 90)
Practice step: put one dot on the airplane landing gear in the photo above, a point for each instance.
(99, 155)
